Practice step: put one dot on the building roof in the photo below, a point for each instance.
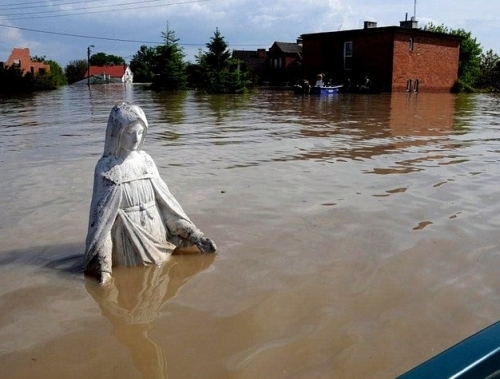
(382, 29)
(289, 47)
(116, 71)
(247, 54)
(255, 60)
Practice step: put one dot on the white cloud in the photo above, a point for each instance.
(245, 24)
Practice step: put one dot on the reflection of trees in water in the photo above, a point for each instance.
(464, 108)
(168, 112)
(133, 301)
(170, 105)
(223, 105)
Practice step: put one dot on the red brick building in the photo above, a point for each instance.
(285, 59)
(395, 58)
(254, 61)
(21, 58)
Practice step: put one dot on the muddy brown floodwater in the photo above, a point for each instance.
(358, 235)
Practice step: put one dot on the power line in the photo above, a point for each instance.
(79, 35)
(23, 6)
(79, 12)
(29, 3)
(103, 38)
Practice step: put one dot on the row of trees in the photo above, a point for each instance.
(215, 70)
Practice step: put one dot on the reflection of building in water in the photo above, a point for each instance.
(133, 301)
(362, 127)
(421, 115)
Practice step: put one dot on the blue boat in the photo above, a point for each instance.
(325, 90)
(476, 357)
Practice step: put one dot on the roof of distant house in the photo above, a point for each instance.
(114, 71)
(289, 47)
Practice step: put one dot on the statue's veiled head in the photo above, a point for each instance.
(122, 116)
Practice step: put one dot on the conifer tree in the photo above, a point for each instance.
(169, 69)
(220, 73)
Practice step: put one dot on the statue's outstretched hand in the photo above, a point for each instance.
(206, 245)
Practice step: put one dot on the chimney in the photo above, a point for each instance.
(261, 53)
(409, 24)
(370, 24)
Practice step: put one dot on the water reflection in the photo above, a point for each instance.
(172, 109)
(361, 128)
(133, 301)
(414, 115)
(222, 106)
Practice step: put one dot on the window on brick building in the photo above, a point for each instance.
(410, 44)
(348, 55)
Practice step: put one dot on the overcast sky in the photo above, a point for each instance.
(62, 30)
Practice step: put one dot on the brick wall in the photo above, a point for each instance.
(22, 58)
(383, 54)
(433, 61)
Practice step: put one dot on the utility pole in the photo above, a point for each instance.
(88, 64)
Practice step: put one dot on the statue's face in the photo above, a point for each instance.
(131, 137)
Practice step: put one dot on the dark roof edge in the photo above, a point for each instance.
(385, 29)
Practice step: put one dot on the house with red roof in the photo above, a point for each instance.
(109, 74)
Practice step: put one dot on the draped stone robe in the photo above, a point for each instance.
(134, 219)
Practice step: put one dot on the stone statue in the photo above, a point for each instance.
(134, 219)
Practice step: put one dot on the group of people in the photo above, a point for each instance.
(304, 86)
(365, 85)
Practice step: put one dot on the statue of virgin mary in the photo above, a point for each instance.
(134, 219)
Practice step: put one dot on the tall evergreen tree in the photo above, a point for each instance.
(217, 57)
(220, 73)
(169, 68)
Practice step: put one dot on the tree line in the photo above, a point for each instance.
(163, 66)
(216, 71)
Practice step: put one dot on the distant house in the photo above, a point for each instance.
(396, 58)
(109, 74)
(21, 58)
(255, 61)
(285, 60)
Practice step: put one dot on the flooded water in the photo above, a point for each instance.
(357, 234)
